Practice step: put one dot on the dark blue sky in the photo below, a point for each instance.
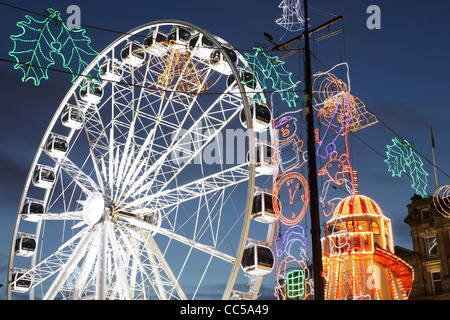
(401, 72)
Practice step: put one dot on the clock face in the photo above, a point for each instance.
(292, 198)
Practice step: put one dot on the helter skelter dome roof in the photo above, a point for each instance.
(357, 205)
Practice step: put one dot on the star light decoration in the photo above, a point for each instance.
(401, 158)
(40, 41)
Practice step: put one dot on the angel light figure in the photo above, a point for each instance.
(293, 17)
(335, 170)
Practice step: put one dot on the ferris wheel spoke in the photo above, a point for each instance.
(99, 140)
(159, 122)
(156, 260)
(85, 271)
(70, 265)
(133, 253)
(158, 264)
(185, 240)
(95, 130)
(119, 263)
(214, 209)
(84, 181)
(61, 216)
(197, 245)
(127, 155)
(153, 250)
(213, 120)
(54, 262)
(218, 181)
(132, 177)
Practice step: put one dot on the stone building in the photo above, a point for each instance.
(430, 232)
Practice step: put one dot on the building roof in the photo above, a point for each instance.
(357, 205)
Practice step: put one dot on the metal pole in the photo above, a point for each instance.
(434, 159)
(312, 171)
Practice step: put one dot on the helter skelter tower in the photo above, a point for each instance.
(358, 254)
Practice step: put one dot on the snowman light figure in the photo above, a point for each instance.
(289, 152)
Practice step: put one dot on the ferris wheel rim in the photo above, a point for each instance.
(71, 92)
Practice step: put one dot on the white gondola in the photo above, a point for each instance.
(179, 39)
(261, 117)
(262, 210)
(258, 259)
(43, 177)
(263, 162)
(156, 43)
(91, 91)
(20, 280)
(32, 207)
(133, 54)
(25, 245)
(72, 117)
(111, 70)
(201, 47)
(218, 61)
(249, 81)
(57, 146)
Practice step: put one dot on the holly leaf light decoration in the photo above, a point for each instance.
(41, 41)
(271, 72)
(401, 158)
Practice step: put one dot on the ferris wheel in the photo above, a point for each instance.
(132, 193)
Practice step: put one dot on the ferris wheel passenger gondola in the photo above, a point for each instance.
(111, 70)
(156, 43)
(258, 259)
(249, 81)
(91, 91)
(179, 38)
(25, 245)
(72, 117)
(133, 54)
(56, 146)
(218, 61)
(261, 117)
(44, 177)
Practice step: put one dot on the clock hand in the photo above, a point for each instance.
(291, 201)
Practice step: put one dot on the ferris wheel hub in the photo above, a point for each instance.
(94, 208)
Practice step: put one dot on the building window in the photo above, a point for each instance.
(437, 282)
(431, 247)
(425, 214)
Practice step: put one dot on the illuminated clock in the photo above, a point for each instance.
(290, 198)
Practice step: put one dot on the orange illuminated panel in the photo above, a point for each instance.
(403, 270)
(348, 242)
